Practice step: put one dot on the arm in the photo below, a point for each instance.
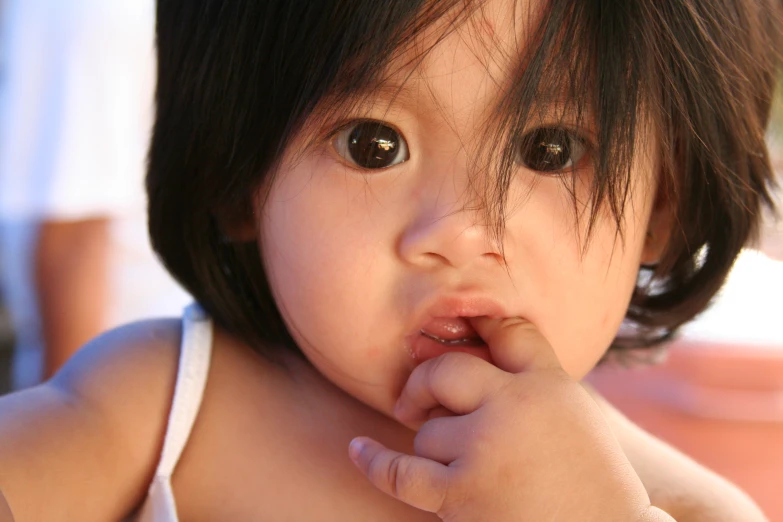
(71, 280)
(676, 483)
(84, 445)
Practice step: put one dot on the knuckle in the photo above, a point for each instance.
(397, 474)
(452, 502)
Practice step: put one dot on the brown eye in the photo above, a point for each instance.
(371, 145)
(550, 149)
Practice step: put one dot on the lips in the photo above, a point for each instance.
(445, 327)
(451, 331)
(424, 346)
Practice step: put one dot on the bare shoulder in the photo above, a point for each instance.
(84, 445)
(686, 490)
(138, 358)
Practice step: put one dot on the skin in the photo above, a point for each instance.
(389, 241)
(71, 274)
(400, 236)
(352, 258)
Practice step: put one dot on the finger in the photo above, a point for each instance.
(440, 411)
(516, 345)
(419, 482)
(440, 439)
(458, 382)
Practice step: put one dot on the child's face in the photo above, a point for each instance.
(360, 261)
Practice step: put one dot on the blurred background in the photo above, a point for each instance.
(76, 87)
(77, 80)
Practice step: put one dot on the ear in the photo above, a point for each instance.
(661, 223)
(236, 224)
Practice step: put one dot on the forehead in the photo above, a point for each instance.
(462, 69)
(463, 61)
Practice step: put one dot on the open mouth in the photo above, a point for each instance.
(452, 331)
(447, 334)
(464, 341)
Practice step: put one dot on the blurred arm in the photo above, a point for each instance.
(71, 280)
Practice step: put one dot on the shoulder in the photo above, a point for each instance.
(94, 431)
(124, 381)
(686, 490)
(122, 350)
(137, 361)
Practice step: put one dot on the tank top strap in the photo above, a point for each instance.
(194, 359)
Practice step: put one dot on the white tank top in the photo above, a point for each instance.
(194, 359)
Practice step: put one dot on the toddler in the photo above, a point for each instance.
(412, 227)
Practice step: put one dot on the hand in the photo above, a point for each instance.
(513, 442)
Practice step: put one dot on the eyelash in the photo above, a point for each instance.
(386, 147)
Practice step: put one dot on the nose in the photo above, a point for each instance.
(448, 234)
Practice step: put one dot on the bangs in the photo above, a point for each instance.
(576, 59)
(667, 71)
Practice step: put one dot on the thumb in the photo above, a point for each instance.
(516, 345)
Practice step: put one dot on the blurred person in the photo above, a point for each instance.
(77, 107)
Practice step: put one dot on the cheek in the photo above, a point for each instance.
(594, 304)
(308, 258)
(578, 295)
(331, 278)
(322, 255)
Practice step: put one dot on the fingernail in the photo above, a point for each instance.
(355, 449)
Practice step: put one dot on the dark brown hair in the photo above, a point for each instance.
(238, 80)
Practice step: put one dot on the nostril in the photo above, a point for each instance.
(497, 257)
(436, 258)
(451, 239)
